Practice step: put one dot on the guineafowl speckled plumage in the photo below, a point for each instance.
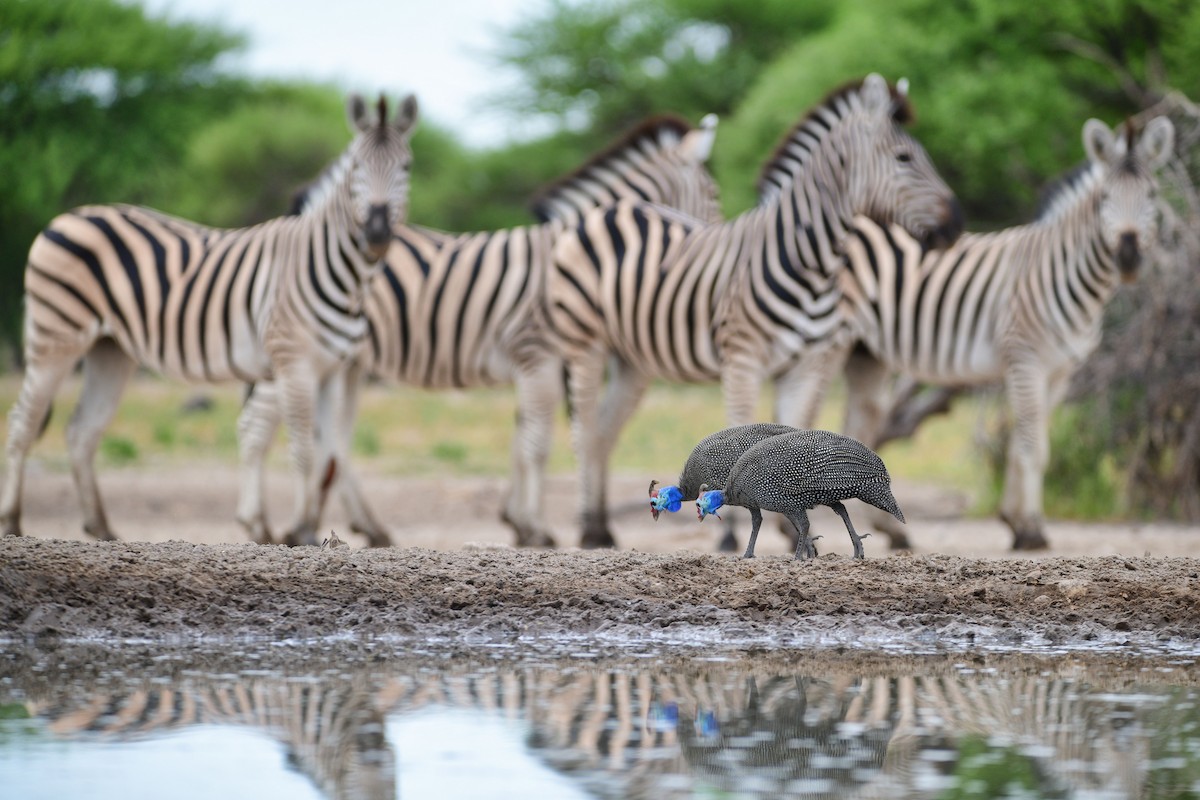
(794, 472)
(710, 463)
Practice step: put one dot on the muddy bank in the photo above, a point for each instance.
(174, 591)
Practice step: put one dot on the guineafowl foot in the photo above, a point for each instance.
(728, 544)
(11, 528)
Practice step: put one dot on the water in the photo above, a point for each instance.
(260, 721)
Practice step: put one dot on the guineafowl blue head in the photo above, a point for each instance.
(668, 498)
(708, 502)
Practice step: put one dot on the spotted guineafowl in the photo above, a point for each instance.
(710, 463)
(797, 471)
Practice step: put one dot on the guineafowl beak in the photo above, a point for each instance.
(655, 509)
(708, 503)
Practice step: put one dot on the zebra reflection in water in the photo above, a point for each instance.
(627, 733)
(331, 731)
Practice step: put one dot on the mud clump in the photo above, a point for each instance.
(175, 590)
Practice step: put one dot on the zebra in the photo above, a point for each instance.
(1022, 305)
(464, 310)
(121, 286)
(332, 732)
(756, 296)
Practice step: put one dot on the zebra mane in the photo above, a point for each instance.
(317, 190)
(793, 152)
(1065, 190)
(655, 132)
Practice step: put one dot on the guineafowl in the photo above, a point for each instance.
(794, 472)
(710, 463)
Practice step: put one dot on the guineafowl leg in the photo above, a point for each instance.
(804, 544)
(854, 537)
(755, 524)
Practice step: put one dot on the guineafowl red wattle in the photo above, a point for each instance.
(794, 472)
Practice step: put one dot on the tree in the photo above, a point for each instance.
(97, 103)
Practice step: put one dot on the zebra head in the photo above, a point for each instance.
(380, 161)
(891, 177)
(1126, 200)
(696, 192)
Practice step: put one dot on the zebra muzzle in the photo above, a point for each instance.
(378, 230)
(1129, 256)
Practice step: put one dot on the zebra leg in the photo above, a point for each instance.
(585, 374)
(800, 391)
(256, 427)
(362, 518)
(1028, 450)
(741, 379)
(106, 370)
(43, 375)
(539, 392)
(299, 388)
(868, 400)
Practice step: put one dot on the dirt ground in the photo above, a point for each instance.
(185, 572)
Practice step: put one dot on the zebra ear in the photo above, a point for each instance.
(1157, 144)
(1100, 144)
(697, 144)
(356, 112)
(876, 96)
(406, 114)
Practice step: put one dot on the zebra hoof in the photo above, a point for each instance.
(597, 540)
(302, 537)
(1030, 540)
(376, 535)
(100, 533)
(537, 538)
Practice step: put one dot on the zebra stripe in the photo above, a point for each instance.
(1023, 304)
(122, 286)
(860, 732)
(753, 297)
(634, 168)
(465, 310)
(331, 730)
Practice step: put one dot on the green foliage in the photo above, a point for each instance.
(449, 452)
(97, 103)
(118, 450)
(366, 440)
(243, 167)
(985, 771)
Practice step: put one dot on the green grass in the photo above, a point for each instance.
(404, 431)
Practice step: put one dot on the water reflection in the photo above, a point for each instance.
(630, 730)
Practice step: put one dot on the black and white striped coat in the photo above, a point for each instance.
(1022, 305)
(121, 286)
(465, 311)
(751, 298)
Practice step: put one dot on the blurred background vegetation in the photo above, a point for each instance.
(100, 102)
